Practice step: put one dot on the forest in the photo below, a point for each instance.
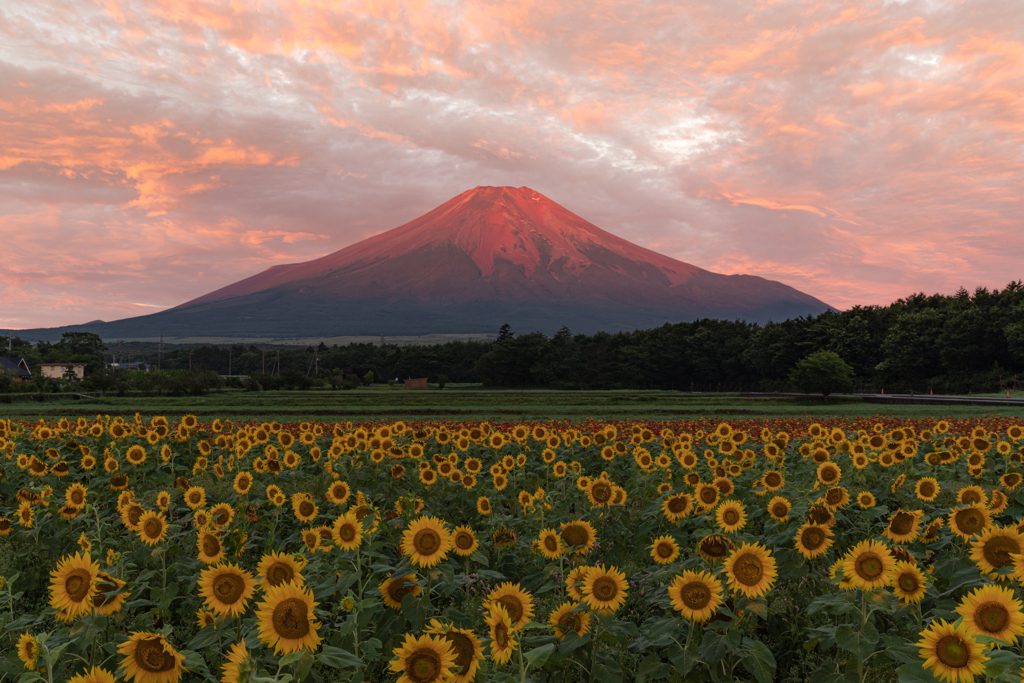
(962, 343)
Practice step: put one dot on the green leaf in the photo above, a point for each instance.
(758, 661)
(571, 642)
(1001, 661)
(538, 656)
(206, 636)
(714, 647)
(288, 660)
(915, 673)
(338, 658)
(303, 666)
(415, 608)
(684, 659)
(860, 643)
(652, 669)
(900, 650)
(479, 558)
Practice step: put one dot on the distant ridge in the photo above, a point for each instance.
(489, 256)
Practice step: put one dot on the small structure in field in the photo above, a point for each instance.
(60, 370)
(16, 368)
(419, 383)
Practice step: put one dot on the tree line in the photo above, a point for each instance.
(950, 344)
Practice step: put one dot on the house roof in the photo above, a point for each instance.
(15, 366)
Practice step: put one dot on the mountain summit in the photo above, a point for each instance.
(486, 257)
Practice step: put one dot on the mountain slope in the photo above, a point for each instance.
(488, 256)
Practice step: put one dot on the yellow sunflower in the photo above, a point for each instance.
(707, 496)
(73, 584)
(695, 595)
(869, 565)
(773, 480)
(211, 550)
(813, 540)
(993, 611)
(731, 516)
(347, 531)
(969, 521)
(503, 636)
(393, 589)
(750, 569)
(466, 648)
(152, 527)
(195, 497)
(574, 582)
(952, 652)
(93, 675)
(605, 589)
(778, 508)
(664, 550)
(866, 499)
(516, 602)
(714, 548)
(677, 507)
(569, 617)
(464, 541)
(75, 495)
(483, 505)
(579, 535)
(993, 547)
(304, 508)
(277, 569)
(28, 650)
(286, 619)
(226, 589)
(909, 583)
(600, 492)
(107, 599)
(426, 542)
(927, 488)
(551, 545)
(829, 473)
(903, 526)
(149, 658)
(243, 482)
(238, 666)
(221, 514)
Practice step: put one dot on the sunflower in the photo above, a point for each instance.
(778, 508)
(28, 650)
(5, 526)
(908, 582)
(347, 531)
(968, 521)
(73, 584)
(286, 619)
(304, 508)
(952, 652)
(836, 497)
(392, 590)
(992, 548)
(751, 569)
(579, 535)
(829, 473)
(243, 482)
(464, 541)
(866, 499)
(551, 545)
(93, 675)
(903, 526)
(149, 658)
(869, 565)
(813, 540)
(211, 550)
(600, 492)
(222, 514)
(152, 527)
(713, 548)
(226, 589)
(605, 589)
(664, 550)
(75, 495)
(695, 595)
(503, 636)
(707, 496)
(107, 600)
(516, 602)
(238, 666)
(731, 516)
(676, 507)
(195, 497)
(1010, 480)
(993, 611)
(773, 480)
(927, 488)
(971, 495)
(426, 542)
(466, 647)
(338, 492)
(568, 617)
(136, 455)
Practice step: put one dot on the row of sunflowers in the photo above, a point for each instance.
(155, 551)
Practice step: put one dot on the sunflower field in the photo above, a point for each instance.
(846, 550)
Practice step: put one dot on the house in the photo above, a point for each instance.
(420, 383)
(60, 370)
(17, 367)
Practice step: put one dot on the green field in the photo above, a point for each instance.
(381, 402)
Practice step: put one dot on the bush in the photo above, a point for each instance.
(822, 372)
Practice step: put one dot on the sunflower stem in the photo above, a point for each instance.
(522, 668)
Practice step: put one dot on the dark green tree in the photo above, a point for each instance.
(822, 372)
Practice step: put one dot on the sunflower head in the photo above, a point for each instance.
(695, 595)
(605, 589)
(951, 652)
(426, 542)
(516, 602)
(286, 621)
(149, 658)
(750, 569)
(73, 584)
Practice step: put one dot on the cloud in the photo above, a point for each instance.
(152, 152)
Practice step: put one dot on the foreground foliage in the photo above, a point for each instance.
(763, 550)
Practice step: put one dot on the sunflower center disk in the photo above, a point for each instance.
(601, 492)
(424, 666)
(290, 619)
(228, 588)
(869, 567)
(77, 584)
(970, 521)
(902, 523)
(664, 550)
(953, 652)
(748, 570)
(813, 538)
(426, 541)
(992, 617)
(211, 546)
(695, 595)
(464, 541)
(676, 505)
(279, 573)
(347, 533)
(513, 606)
(550, 543)
(150, 656)
(731, 517)
(908, 582)
(463, 649)
(997, 551)
(153, 528)
(605, 589)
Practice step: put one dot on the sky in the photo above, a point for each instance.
(154, 151)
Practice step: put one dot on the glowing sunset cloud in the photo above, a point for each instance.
(151, 152)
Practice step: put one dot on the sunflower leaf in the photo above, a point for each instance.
(759, 661)
(338, 658)
(860, 643)
(1001, 661)
(538, 656)
(914, 673)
